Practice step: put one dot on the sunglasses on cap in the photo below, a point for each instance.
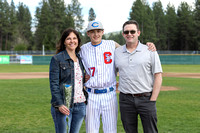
(127, 32)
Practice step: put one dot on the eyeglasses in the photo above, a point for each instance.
(127, 32)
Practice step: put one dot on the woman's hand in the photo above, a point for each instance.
(63, 109)
(87, 77)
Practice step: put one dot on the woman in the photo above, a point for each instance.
(66, 68)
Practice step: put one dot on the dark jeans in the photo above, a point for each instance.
(131, 106)
(75, 119)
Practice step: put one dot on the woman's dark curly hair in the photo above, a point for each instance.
(61, 46)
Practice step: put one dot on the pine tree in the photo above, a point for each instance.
(149, 26)
(171, 26)
(159, 18)
(24, 26)
(197, 24)
(44, 26)
(185, 27)
(12, 35)
(58, 20)
(142, 13)
(138, 13)
(4, 24)
(51, 20)
(8, 25)
(74, 10)
(1, 24)
(92, 15)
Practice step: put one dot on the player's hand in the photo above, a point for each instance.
(63, 109)
(151, 46)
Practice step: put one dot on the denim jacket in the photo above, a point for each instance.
(61, 72)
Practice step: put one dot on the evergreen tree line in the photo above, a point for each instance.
(168, 29)
(15, 26)
(51, 18)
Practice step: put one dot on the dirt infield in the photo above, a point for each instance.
(182, 75)
(30, 75)
(24, 75)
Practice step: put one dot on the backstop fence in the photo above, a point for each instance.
(41, 58)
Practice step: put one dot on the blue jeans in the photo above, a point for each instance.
(73, 121)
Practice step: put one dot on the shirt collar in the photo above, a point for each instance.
(138, 49)
(97, 44)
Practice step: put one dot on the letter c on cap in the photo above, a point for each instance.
(95, 24)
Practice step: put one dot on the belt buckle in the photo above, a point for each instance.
(89, 89)
(111, 89)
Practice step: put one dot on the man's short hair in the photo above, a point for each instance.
(131, 22)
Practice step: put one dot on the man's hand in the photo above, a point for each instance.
(151, 46)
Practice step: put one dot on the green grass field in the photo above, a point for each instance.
(45, 68)
(23, 68)
(181, 68)
(25, 103)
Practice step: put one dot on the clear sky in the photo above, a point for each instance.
(112, 13)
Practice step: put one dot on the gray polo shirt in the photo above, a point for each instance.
(136, 69)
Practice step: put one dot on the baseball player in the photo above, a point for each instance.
(98, 60)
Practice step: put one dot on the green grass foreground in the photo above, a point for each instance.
(181, 68)
(45, 68)
(12, 68)
(25, 104)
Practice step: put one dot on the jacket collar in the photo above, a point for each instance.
(67, 57)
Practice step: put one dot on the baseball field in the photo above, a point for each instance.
(25, 100)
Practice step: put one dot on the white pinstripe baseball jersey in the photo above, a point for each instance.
(99, 64)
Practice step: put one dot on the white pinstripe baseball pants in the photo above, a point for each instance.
(104, 105)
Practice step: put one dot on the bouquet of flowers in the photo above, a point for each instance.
(68, 94)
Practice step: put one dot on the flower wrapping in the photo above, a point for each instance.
(68, 94)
